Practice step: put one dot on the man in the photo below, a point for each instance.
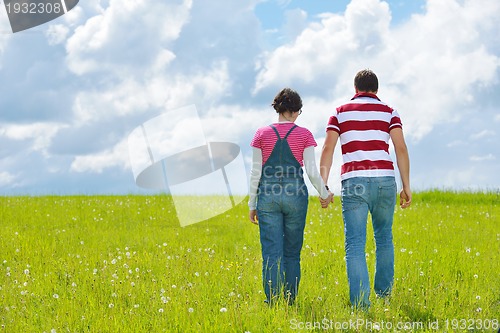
(364, 126)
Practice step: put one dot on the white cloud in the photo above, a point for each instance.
(56, 34)
(131, 97)
(40, 134)
(127, 31)
(6, 178)
(128, 61)
(488, 157)
(295, 22)
(428, 68)
(97, 163)
(5, 31)
(483, 134)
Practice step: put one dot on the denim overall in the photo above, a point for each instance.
(281, 209)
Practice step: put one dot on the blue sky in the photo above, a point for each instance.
(74, 89)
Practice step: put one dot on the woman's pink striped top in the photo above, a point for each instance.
(300, 138)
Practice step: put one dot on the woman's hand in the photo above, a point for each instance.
(253, 216)
(326, 202)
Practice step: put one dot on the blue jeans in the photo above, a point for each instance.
(281, 210)
(361, 195)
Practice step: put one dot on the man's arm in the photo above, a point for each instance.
(403, 161)
(325, 163)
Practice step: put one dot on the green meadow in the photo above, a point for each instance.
(124, 264)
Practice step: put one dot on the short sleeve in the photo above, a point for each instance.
(333, 124)
(309, 139)
(395, 121)
(256, 142)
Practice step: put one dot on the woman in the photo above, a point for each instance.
(278, 195)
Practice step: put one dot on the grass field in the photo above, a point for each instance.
(123, 264)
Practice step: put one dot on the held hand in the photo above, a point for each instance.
(253, 216)
(405, 198)
(326, 202)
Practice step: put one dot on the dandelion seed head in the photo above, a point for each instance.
(111, 305)
(56, 296)
(160, 310)
(190, 310)
(223, 310)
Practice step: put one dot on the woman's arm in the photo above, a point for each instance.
(255, 174)
(313, 173)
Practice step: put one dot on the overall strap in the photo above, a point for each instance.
(290, 131)
(276, 131)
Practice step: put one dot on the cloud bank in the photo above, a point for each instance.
(75, 88)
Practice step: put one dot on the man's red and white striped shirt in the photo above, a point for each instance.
(364, 125)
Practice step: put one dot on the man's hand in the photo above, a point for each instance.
(405, 198)
(253, 216)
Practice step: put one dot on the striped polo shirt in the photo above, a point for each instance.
(300, 138)
(364, 125)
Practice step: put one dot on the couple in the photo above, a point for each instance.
(279, 198)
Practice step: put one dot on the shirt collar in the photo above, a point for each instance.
(365, 94)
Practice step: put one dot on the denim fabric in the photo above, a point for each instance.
(361, 195)
(282, 201)
(282, 209)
